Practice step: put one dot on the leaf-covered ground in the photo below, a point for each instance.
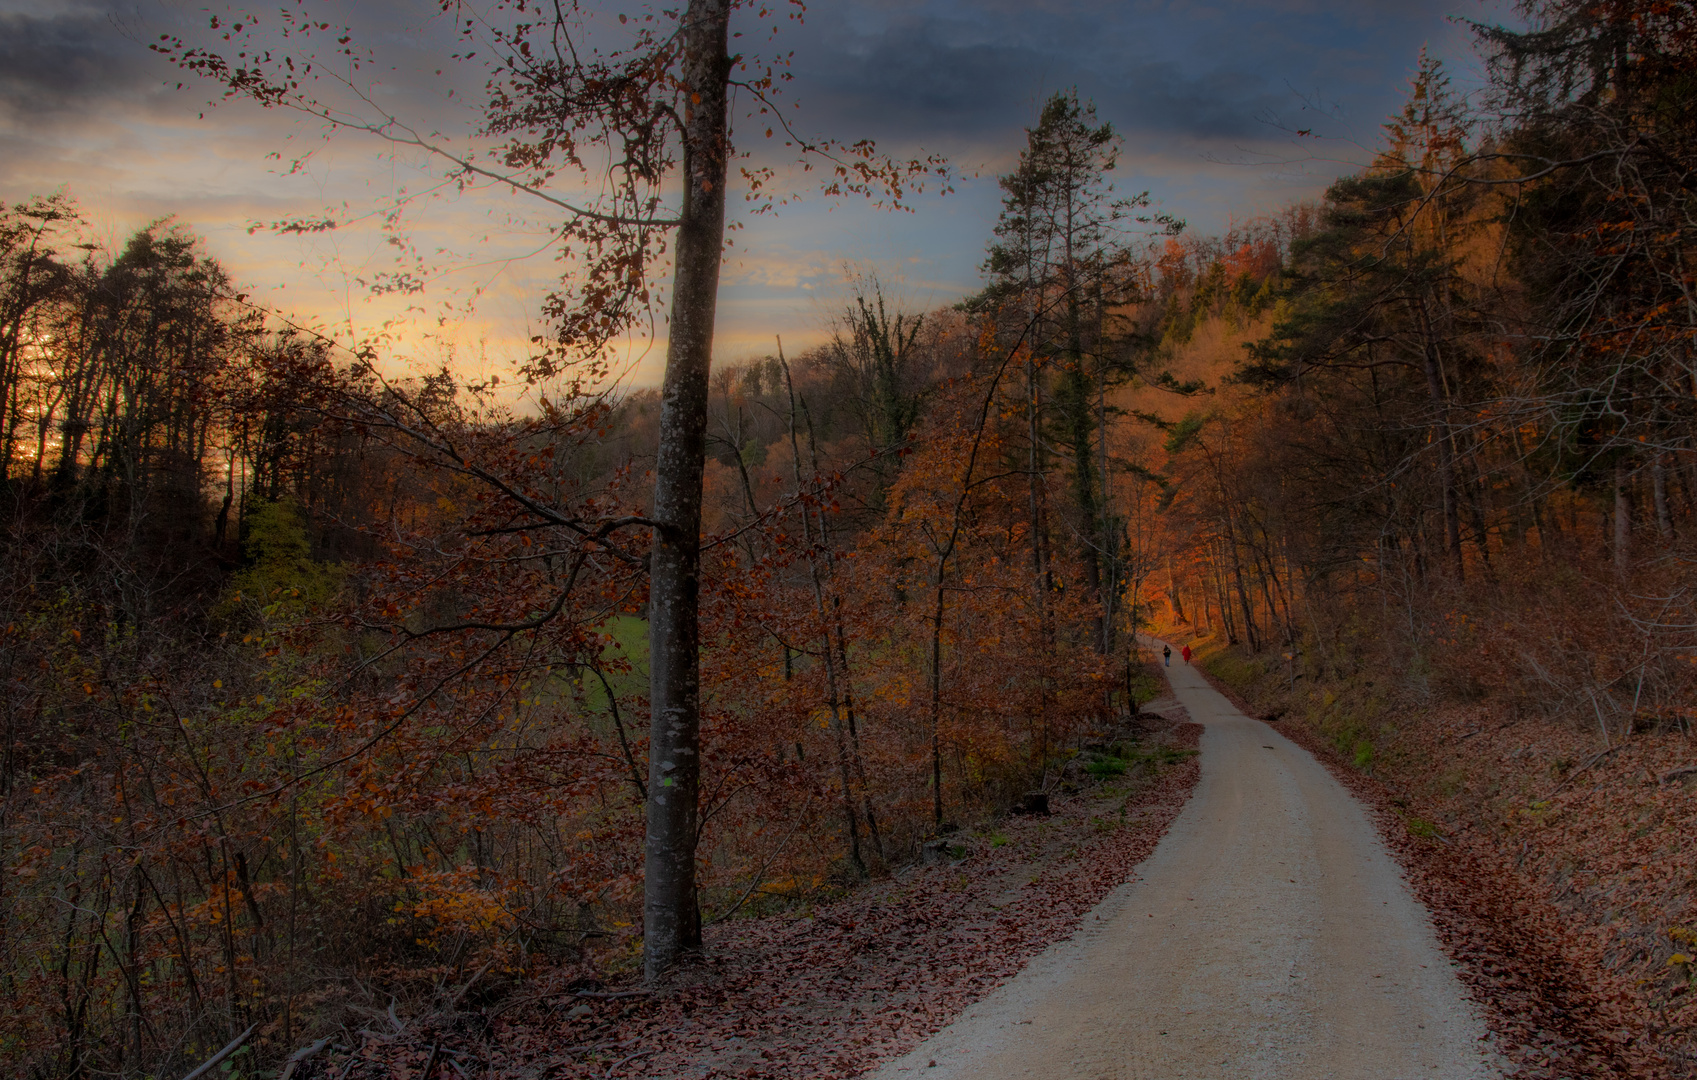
(1554, 882)
(835, 990)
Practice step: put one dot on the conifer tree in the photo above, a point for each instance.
(1057, 267)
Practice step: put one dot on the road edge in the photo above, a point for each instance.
(1542, 1017)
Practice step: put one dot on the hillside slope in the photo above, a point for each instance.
(1579, 851)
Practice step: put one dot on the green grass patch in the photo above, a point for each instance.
(1127, 756)
(1167, 755)
(1145, 687)
(627, 645)
(630, 635)
(1233, 670)
(1421, 827)
(1363, 754)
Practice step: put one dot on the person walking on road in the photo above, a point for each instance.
(1185, 652)
(1167, 655)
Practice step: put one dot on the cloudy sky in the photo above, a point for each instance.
(1207, 95)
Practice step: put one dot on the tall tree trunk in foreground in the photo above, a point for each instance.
(671, 914)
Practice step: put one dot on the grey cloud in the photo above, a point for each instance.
(93, 59)
(1207, 93)
(67, 62)
(918, 81)
(1162, 97)
(912, 83)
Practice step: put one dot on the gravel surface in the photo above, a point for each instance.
(1269, 935)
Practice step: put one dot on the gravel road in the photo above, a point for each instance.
(1269, 935)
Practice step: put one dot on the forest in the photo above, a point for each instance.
(330, 684)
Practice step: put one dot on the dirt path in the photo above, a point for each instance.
(1269, 935)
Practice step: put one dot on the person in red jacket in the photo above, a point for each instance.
(1185, 652)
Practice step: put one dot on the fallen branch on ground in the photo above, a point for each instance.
(212, 1062)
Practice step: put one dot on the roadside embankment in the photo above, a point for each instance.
(833, 987)
(1558, 868)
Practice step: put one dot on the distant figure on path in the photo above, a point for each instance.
(1167, 655)
(1185, 652)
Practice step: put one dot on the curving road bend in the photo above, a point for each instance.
(1270, 935)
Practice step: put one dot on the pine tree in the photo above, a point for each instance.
(1056, 269)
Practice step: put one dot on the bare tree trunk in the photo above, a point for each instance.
(850, 817)
(1173, 593)
(854, 737)
(836, 695)
(1105, 530)
(1035, 480)
(671, 913)
(1659, 491)
(1222, 600)
(1446, 479)
(854, 732)
(1478, 492)
(1244, 599)
(1623, 520)
(937, 706)
(1446, 446)
(1273, 590)
(1042, 577)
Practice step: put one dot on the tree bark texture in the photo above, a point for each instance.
(671, 913)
